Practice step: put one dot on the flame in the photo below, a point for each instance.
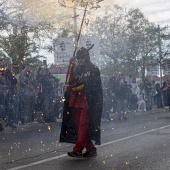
(63, 99)
(49, 128)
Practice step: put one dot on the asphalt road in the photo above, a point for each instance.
(139, 143)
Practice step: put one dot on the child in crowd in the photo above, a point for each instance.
(141, 102)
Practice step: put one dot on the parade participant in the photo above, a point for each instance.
(83, 107)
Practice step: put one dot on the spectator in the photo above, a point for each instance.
(153, 92)
(107, 101)
(167, 89)
(16, 96)
(133, 99)
(27, 96)
(10, 81)
(3, 94)
(164, 94)
(147, 90)
(47, 93)
(58, 107)
(121, 99)
(141, 102)
(129, 80)
(110, 89)
(158, 96)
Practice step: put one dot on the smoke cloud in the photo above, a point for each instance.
(56, 11)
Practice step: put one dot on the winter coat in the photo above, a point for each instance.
(94, 96)
(121, 92)
(10, 81)
(47, 88)
(27, 85)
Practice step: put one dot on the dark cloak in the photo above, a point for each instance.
(94, 96)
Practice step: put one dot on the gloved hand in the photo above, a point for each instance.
(77, 86)
(72, 60)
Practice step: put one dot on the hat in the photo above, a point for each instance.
(83, 52)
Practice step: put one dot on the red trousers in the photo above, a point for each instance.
(82, 122)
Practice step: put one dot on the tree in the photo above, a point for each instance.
(111, 31)
(20, 40)
(142, 40)
(127, 37)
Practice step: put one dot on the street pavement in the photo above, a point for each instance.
(139, 143)
(37, 127)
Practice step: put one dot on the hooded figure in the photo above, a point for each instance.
(83, 107)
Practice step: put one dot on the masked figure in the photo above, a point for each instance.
(83, 107)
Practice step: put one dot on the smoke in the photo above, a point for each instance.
(55, 11)
(39, 11)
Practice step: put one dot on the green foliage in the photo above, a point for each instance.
(22, 43)
(128, 38)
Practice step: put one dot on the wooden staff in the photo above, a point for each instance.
(76, 46)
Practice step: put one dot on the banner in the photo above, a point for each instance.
(153, 70)
(64, 49)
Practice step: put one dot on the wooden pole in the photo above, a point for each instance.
(76, 46)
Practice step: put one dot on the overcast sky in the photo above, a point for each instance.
(157, 11)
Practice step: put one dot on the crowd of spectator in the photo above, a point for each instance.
(25, 94)
(124, 94)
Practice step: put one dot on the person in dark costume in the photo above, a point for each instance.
(83, 107)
